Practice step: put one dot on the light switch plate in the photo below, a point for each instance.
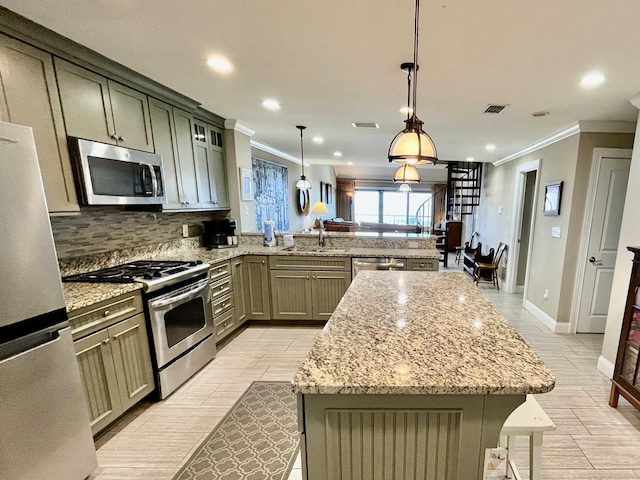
(555, 232)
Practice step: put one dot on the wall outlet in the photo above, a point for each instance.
(190, 230)
(185, 230)
(555, 232)
(500, 210)
(546, 294)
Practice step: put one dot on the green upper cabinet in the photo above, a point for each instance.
(28, 96)
(99, 109)
(211, 173)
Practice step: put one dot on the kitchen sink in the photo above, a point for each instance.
(317, 249)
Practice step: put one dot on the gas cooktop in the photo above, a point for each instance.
(152, 274)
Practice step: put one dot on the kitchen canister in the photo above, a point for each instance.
(269, 233)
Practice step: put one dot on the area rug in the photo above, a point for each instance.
(257, 440)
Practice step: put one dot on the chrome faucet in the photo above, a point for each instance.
(321, 235)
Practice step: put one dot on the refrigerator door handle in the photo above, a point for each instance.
(27, 344)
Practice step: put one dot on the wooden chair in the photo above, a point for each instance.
(463, 248)
(490, 268)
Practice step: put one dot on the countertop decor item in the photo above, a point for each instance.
(412, 145)
(320, 208)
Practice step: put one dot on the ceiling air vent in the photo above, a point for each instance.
(365, 125)
(495, 108)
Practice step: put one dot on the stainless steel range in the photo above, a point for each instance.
(178, 307)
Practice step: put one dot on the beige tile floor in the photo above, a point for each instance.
(592, 440)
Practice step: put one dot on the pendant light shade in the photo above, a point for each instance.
(406, 174)
(412, 145)
(303, 183)
(404, 187)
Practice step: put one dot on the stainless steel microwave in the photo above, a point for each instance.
(111, 175)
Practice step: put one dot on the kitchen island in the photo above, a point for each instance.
(412, 378)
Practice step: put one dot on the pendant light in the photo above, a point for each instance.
(404, 187)
(412, 145)
(303, 183)
(406, 174)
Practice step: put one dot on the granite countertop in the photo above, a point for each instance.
(82, 294)
(419, 333)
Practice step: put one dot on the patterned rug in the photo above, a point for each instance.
(257, 439)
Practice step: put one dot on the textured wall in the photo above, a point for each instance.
(100, 230)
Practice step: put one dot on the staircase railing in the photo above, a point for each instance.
(423, 214)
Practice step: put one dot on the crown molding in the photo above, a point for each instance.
(579, 127)
(556, 137)
(230, 124)
(273, 151)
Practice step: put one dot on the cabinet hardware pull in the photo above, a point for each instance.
(262, 261)
(314, 277)
(122, 139)
(105, 341)
(306, 277)
(115, 337)
(114, 136)
(105, 313)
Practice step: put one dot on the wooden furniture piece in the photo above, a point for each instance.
(626, 376)
(112, 349)
(491, 269)
(442, 245)
(463, 248)
(475, 255)
(530, 420)
(454, 231)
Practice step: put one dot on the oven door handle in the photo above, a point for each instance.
(177, 298)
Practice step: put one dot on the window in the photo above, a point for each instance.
(391, 206)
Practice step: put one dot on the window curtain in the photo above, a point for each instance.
(344, 199)
(439, 202)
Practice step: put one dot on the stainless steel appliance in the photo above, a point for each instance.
(111, 175)
(44, 422)
(217, 233)
(376, 263)
(178, 306)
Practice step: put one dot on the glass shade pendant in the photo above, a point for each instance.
(303, 183)
(406, 174)
(412, 145)
(404, 187)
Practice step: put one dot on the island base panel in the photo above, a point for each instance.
(412, 437)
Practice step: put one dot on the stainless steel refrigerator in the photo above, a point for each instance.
(44, 421)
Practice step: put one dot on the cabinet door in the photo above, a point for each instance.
(131, 117)
(206, 188)
(85, 103)
(217, 168)
(165, 143)
(257, 288)
(132, 360)
(291, 295)
(238, 274)
(29, 96)
(184, 126)
(328, 289)
(98, 379)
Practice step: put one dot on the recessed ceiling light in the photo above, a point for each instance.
(349, 163)
(318, 139)
(490, 147)
(406, 110)
(220, 64)
(270, 104)
(470, 159)
(539, 114)
(592, 79)
(337, 154)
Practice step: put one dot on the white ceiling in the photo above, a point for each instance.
(333, 62)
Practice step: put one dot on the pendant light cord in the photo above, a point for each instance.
(415, 56)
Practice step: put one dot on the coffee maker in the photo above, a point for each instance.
(219, 233)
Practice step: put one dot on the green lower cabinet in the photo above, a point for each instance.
(115, 366)
(256, 281)
(306, 295)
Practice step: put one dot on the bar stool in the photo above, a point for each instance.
(528, 419)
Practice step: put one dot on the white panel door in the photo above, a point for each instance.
(611, 190)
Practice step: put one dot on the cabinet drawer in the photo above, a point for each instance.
(423, 264)
(221, 287)
(309, 263)
(225, 324)
(222, 304)
(90, 319)
(219, 270)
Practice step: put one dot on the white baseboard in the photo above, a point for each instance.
(605, 366)
(550, 323)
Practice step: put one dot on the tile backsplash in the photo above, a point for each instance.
(100, 230)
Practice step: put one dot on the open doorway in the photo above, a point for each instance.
(522, 222)
(526, 228)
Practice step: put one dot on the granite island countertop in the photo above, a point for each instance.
(419, 333)
(83, 294)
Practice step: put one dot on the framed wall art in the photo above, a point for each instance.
(552, 198)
